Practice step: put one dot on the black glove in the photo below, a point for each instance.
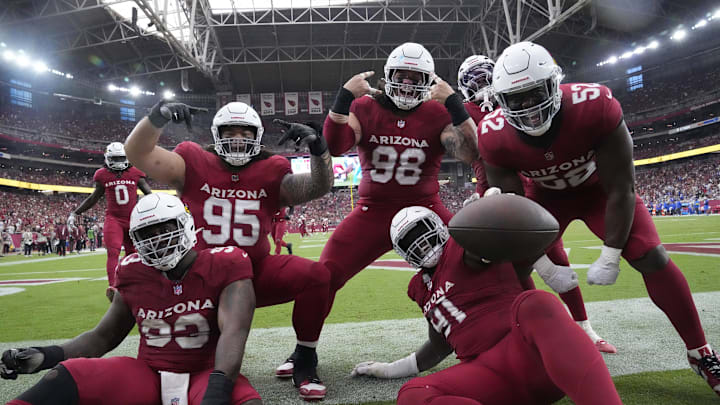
(163, 112)
(219, 389)
(28, 360)
(301, 133)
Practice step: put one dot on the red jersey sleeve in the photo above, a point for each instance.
(98, 175)
(612, 113)
(232, 263)
(416, 289)
(192, 154)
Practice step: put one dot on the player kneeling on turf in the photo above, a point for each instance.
(193, 311)
(514, 346)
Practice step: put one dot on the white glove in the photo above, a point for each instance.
(606, 268)
(473, 197)
(71, 220)
(492, 191)
(560, 278)
(400, 368)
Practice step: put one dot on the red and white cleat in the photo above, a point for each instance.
(705, 363)
(605, 347)
(286, 369)
(312, 390)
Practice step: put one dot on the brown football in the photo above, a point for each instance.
(504, 227)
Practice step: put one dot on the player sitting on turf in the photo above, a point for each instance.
(514, 346)
(193, 310)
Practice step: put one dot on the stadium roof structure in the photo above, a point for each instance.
(296, 45)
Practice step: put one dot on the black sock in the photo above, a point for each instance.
(57, 387)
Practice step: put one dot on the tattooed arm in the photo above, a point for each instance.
(461, 141)
(300, 188)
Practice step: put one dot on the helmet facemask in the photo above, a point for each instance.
(237, 150)
(407, 88)
(163, 244)
(117, 162)
(532, 107)
(475, 84)
(421, 243)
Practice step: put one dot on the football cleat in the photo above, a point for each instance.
(707, 366)
(286, 369)
(289, 248)
(312, 389)
(605, 347)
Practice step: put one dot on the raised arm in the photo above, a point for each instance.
(300, 188)
(460, 138)
(143, 152)
(107, 335)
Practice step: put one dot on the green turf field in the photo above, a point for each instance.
(376, 300)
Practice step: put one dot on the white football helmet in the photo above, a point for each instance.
(405, 93)
(526, 81)
(162, 230)
(418, 235)
(475, 79)
(237, 151)
(115, 157)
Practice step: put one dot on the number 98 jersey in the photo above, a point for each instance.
(563, 159)
(120, 190)
(400, 155)
(177, 321)
(232, 207)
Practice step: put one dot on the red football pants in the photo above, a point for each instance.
(117, 235)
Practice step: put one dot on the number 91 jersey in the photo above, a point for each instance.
(120, 190)
(232, 207)
(177, 321)
(563, 159)
(400, 155)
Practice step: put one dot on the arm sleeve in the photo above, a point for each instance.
(340, 137)
(611, 114)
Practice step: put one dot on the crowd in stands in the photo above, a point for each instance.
(688, 180)
(673, 145)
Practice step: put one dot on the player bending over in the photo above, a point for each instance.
(193, 310)
(514, 346)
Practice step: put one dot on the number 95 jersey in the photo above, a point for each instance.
(120, 190)
(399, 155)
(232, 207)
(177, 321)
(563, 159)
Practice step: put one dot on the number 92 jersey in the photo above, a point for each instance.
(177, 321)
(563, 159)
(120, 190)
(400, 155)
(232, 207)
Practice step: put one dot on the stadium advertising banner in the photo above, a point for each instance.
(291, 103)
(243, 98)
(267, 103)
(315, 102)
(346, 169)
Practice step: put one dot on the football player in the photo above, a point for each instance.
(401, 136)
(118, 181)
(572, 142)
(474, 82)
(193, 310)
(233, 189)
(507, 339)
(279, 227)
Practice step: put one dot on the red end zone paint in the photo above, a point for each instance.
(700, 248)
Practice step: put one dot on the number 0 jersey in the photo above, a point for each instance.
(120, 190)
(232, 207)
(178, 320)
(399, 156)
(469, 306)
(563, 159)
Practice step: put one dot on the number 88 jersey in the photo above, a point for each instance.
(399, 155)
(120, 190)
(232, 206)
(563, 159)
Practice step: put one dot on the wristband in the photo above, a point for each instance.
(52, 355)
(219, 387)
(455, 107)
(343, 99)
(318, 147)
(610, 254)
(404, 367)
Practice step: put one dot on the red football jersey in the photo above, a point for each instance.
(120, 190)
(178, 320)
(233, 207)
(399, 156)
(470, 307)
(564, 158)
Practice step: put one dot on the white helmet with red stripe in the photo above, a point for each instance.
(237, 151)
(418, 235)
(403, 89)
